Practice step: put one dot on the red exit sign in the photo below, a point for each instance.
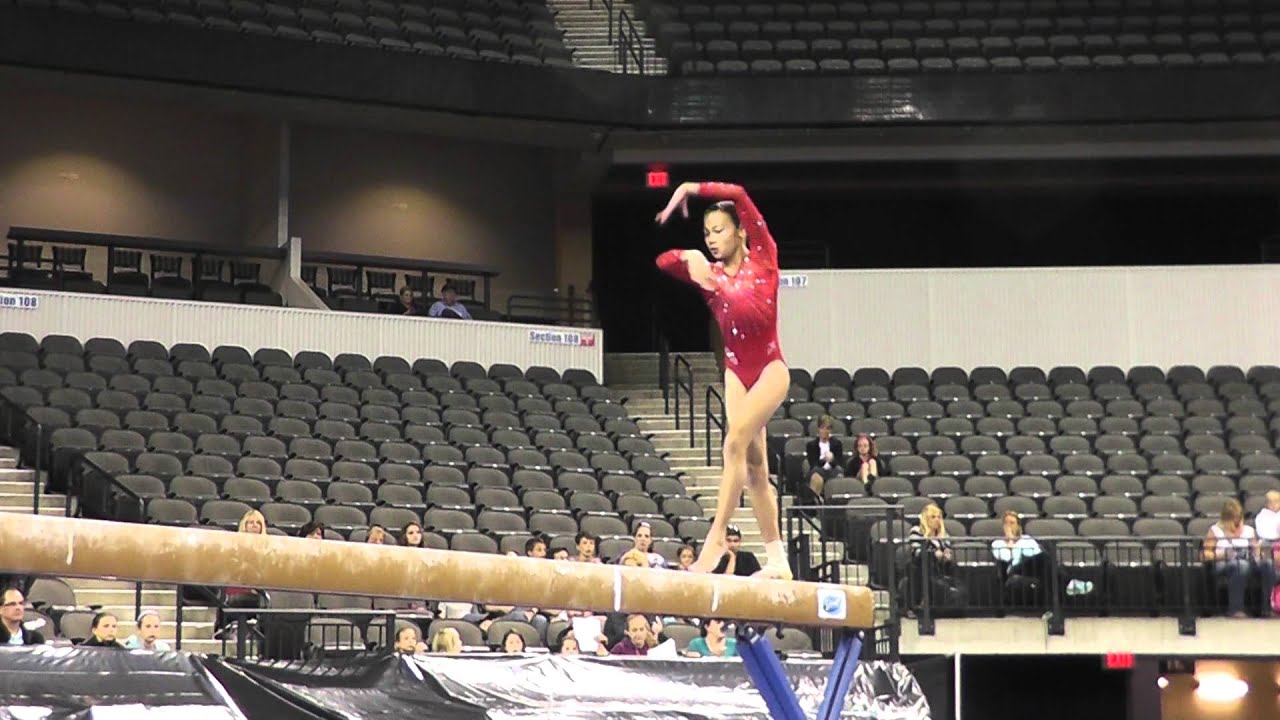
(657, 177)
(1118, 661)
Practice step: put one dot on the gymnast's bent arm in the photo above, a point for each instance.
(690, 266)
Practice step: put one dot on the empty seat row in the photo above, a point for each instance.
(989, 375)
(524, 33)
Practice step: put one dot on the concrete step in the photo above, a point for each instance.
(53, 511)
(23, 500)
(168, 614)
(209, 647)
(18, 487)
(124, 597)
(8, 463)
(8, 452)
(17, 475)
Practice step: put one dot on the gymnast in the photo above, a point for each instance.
(741, 288)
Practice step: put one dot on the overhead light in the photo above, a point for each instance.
(1220, 688)
(1162, 682)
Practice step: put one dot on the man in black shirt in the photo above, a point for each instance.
(737, 561)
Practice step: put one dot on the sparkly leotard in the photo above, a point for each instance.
(745, 304)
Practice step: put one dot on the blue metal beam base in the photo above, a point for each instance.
(770, 678)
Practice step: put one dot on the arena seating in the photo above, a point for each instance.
(913, 36)
(1061, 449)
(481, 457)
(220, 280)
(1120, 473)
(520, 31)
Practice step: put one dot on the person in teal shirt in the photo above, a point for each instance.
(714, 642)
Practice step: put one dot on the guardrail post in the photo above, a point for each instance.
(1056, 625)
(1187, 617)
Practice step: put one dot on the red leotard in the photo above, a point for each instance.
(746, 303)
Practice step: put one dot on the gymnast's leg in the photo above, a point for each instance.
(764, 502)
(747, 413)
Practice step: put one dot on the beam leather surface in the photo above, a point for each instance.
(191, 556)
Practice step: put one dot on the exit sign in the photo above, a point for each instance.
(657, 177)
(1118, 661)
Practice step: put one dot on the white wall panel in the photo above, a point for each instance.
(169, 322)
(1123, 316)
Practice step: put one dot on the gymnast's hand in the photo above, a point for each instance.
(679, 200)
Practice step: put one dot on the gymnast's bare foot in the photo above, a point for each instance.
(712, 551)
(774, 571)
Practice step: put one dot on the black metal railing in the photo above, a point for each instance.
(27, 435)
(719, 420)
(626, 38)
(683, 384)
(99, 495)
(304, 634)
(571, 310)
(849, 544)
(630, 45)
(1077, 576)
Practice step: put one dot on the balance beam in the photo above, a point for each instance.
(67, 547)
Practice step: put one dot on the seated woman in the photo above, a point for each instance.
(446, 641)
(866, 464)
(643, 539)
(104, 632)
(512, 643)
(931, 547)
(1027, 567)
(1233, 549)
(714, 642)
(238, 597)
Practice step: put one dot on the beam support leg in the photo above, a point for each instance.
(841, 678)
(766, 671)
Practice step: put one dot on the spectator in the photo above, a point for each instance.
(714, 642)
(448, 306)
(535, 547)
(513, 643)
(1027, 567)
(736, 561)
(406, 306)
(931, 546)
(865, 464)
(104, 632)
(643, 539)
(633, 558)
(639, 637)
(1267, 521)
(567, 644)
(12, 630)
(148, 632)
(1233, 549)
(313, 530)
(685, 557)
(376, 536)
(826, 457)
(407, 642)
(586, 543)
(411, 535)
(561, 554)
(446, 641)
(238, 597)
